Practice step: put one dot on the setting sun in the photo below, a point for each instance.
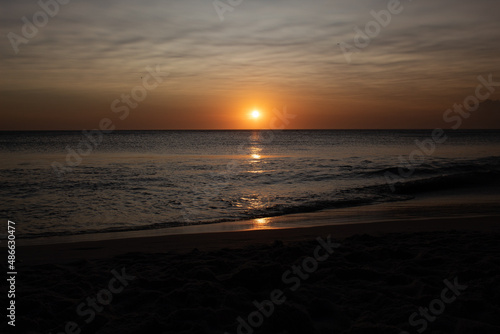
(255, 114)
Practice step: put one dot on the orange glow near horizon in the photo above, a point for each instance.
(202, 75)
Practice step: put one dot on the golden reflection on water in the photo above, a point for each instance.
(255, 152)
(255, 159)
(256, 156)
(261, 223)
(255, 166)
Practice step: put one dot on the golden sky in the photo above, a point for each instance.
(264, 55)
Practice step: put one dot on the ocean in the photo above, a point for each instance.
(68, 183)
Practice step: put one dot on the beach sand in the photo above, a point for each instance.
(379, 276)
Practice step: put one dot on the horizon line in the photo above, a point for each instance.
(351, 129)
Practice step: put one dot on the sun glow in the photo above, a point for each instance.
(255, 114)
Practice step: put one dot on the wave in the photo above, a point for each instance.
(430, 177)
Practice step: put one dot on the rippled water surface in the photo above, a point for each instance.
(149, 179)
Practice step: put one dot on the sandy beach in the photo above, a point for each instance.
(436, 275)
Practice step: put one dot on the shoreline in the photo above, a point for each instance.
(444, 204)
(182, 243)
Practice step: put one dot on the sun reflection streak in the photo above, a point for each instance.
(256, 156)
(261, 223)
(255, 151)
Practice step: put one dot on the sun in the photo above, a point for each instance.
(255, 114)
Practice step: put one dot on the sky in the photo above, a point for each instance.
(216, 62)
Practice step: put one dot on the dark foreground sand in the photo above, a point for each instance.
(373, 282)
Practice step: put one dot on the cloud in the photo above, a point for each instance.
(431, 50)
